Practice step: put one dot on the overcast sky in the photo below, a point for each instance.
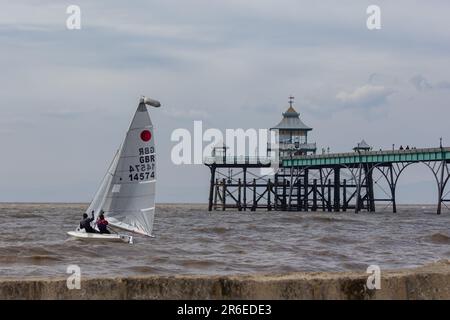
(67, 97)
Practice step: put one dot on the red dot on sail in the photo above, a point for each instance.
(146, 135)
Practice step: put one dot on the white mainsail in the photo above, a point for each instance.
(127, 193)
(100, 196)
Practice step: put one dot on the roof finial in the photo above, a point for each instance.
(291, 100)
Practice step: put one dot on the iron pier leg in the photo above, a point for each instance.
(211, 187)
(275, 197)
(216, 193)
(314, 205)
(224, 195)
(369, 181)
(254, 195)
(358, 191)
(305, 190)
(291, 186)
(269, 206)
(329, 206)
(245, 188)
(337, 184)
(371, 192)
(299, 194)
(441, 187)
(344, 195)
(239, 194)
(392, 186)
(322, 189)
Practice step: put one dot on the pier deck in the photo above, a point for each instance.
(350, 158)
(328, 182)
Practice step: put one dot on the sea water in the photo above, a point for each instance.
(191, 240)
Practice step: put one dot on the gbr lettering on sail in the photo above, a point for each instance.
(145, 169)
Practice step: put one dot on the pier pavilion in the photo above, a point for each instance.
(306, 181)
(293, 134)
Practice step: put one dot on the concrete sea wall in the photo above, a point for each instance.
(428, 282)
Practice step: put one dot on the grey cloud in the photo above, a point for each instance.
(422, 84)
(443, 85)
(68, 114)
(383, 79)
(265, 108)
(233, 61)
(186, 114)
(364, 101)
(365, 96)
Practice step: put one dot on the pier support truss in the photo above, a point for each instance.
(327, 183)
(291, 189)
(241, 188)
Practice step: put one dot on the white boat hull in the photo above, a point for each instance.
(98, 236)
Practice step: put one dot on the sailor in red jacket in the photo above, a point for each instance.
(102, 224)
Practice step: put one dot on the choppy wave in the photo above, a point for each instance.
(438, 238)
(190, 240)
(209, 229)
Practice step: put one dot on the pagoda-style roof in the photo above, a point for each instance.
(291, 121)
(362, 146)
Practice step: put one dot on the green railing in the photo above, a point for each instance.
(237, 160)
(412, 155)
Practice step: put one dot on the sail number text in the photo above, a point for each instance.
(145, 170)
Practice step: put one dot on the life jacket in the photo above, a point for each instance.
(102, 223)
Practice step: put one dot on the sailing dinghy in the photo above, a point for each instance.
(126, 195)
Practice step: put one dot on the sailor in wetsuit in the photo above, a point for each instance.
(86, 223)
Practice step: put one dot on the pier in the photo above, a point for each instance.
(306, 181)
